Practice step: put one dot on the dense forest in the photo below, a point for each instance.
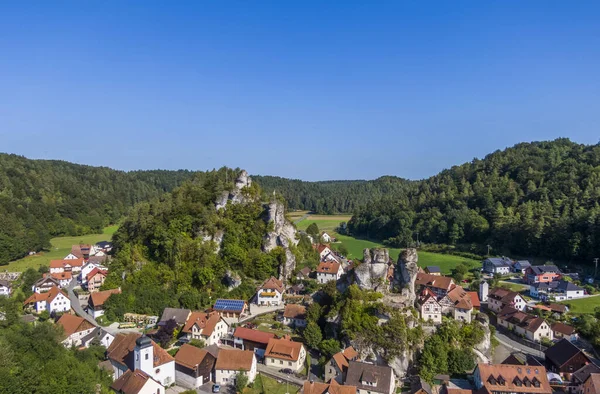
(40, 199)
(533, 199)
(330, 197)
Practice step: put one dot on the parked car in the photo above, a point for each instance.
(216, 388)
(286, 371)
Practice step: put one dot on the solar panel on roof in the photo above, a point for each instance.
(233, 305)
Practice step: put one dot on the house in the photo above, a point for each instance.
(562, 330)
(66, 265)
(89, 267)
(231, 362)
(462, 306)
(592, 384)
(254, 340)
(333, 387)
(440, 285)
(80, 252)
(105, 246)
(97, 300)
(499, 298)
(565, 358)
(303, 274)
(44, 284)
(294, 315)
(95, 279)
(63, 278)
(474, 299)
(326, 238)
(137, 382)
(285, 353)
(179, 315)
(521, 266)
(132, 351)
(557, 290)
(295, 290)
(323, 251)
(104, 338)
(429, 309)
(328, 271)
(270, 292)
(230, 308)
(579, 377)
(53, 300)
(74, 328)
(337, 368)
(506, 378)
(518, 358)
(433, 270)
(419, 386)
(370, 378)
(5, 288)
(209, 327)
(532, 327)
(193, 366)
(541, 273)
(497, 265)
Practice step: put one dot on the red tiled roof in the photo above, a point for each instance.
(62, 263)
(284, 349)
(100, 297)
(48, 296)
(66, 275)
(333, 387)
(131, 382)
(321, 248)
(273, 284)
(205, 321)
(460, 298)
(72, 324)
(253, 335)
(437, 281)
(121, 351)
(190, 356)
(235, 360)
(328, 267)
(562, 328)
(94, 272)
(474, 299)
(511, 374)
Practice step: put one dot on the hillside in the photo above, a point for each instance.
(40, 199)
(539, 198)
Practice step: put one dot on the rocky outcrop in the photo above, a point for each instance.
(283, 234)
(237, 195)
(232, 280)
(372, 273)
(217, 238)
(485, 346)
(407, 270)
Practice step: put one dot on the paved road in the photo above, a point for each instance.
(77, 306)
(509, 343)
(273, 373)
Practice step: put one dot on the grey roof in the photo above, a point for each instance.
(357, 372)
(568, 286)
(560, 285)
(561, 352)
(5, 283)
(541, 269)
(433, 268)
(419, 384)
(500, 261)
(28, 318)
(584, 372)
(523, 263)
(180, 315)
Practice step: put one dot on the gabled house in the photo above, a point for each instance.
(506, 378)
(370, 378)
(179, 315)
(565, 358)
(559, 290)
(579, 377)
(303, 274)
(193, 366)
(89, 267)
(561, 330)
(462, 306)
(209, 327)
(521, 266)
(294, 315)
(132, 351)
(439, 285)
(323, 251)
(97, 300)
(231, 362)
(66, 265)
(136, 382)
(497, 265)
(104, 337)
(95, 279)
(328, 271)
(519, 358)
(337, 367)
(419, 386)
(270, 292)
(532, 327)
(63, 278)
(5, 288)
(285, 353)
(499, 298)
(433, 270)
(333, 387)
(326, 238)
(254, 340)
(53, 300)
(75, 329)
(591, 384)
(474, 299)
(105, 246)
(541, 273)
(429, 309)
(44, 284)
(230, 308)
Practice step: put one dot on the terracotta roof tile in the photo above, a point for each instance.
(253, 335)
(48, 296)
(436, 281)
(562, 328)
(95, 271)
(121, 351)
(235, 360)
(510, 375)
(327, 388)
(474, 299)
(273, 284)
(284, 349)
(190, 356)
(205, 321)
(67, 275)
(328, 267)
(100, 297)
(72, 324)
(130, 382)
(62, 263)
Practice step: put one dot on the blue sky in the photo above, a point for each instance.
(307, 89)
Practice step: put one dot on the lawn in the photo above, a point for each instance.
(266, 385)
(325, 222)
(61, 246)
(583, 305)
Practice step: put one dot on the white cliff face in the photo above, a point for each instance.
(236, 196)
(485, 346)
(371, 274)
(283, 234)
(408, 269)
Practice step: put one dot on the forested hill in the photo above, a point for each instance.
(535, 199)
(328, 197)
(40, 199)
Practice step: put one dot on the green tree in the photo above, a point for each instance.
(313, 231)
(329, 347)
(312, 335)
(241, 381)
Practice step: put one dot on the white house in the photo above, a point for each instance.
(231, 362)
(45, 284)
(323, 250)
(557, 290)
(104, 337)
(96, 301)
(137, 382)
(130, 352)
(294, 315)
(75, 329)
(328, 271)
(66, 265)
(532, 327)
(497, 265)
(209, 327)
(326, 238)
(370, 378)
(63, 278)
(53, 300)
(429, 308)
(499, 298)
(5, 288)
(270, 292)
(285, 353)
(89, 267)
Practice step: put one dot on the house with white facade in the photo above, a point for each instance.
(97, 300)
(89, 267)
(45, 284)
(63, 278)
(75, 329)
(270, 292)
(66, 265)
(231, 362)
(209, 327)
(285, 353)
(294, 315)
(5, 288)
(499, 298)
(104, 338)
(462, 304)
(429, 309)
(532, 327)
(132, 351)
(53, 300)
(521, 266)
(557, 290)
(497, 265)
(328, 271)
(137, 382)
(370, 378)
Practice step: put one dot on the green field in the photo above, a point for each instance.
(266, 385)
(583, 305)
(325, 222)
(61, 247)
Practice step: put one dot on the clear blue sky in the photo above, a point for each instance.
(302, 89)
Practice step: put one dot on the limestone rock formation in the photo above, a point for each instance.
(232, 280)
(485, 346)
(283, 234)
(372, 273)
(407, 270)
(217, 238)
(236, 196)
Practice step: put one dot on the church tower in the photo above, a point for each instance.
(144, 354)
(483, 291)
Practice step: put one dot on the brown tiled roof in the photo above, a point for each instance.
(560, 308)
(342, 358)
(474, 299)
(380, 375)
(327, 388)
(61, 263)
(439, 282)
(350, 353)
(273, 284)
(130, 382)
(99, 298)
(503, 295)
(305, 271)
(528, 322)
(72, 324)
(321, 248)
(205, 321)
(294, 311)
(284, 349)
(121, 351)
(62, 275)
(460, 298)
(451, 390)
(190, 356)
(328, 267)
(564, 329)
(48, 296)
(235, 360)
(510, 375)
(94, 272)
(253, 335)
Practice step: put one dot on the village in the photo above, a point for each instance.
(210, 350)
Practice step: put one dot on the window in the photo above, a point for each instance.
(280, 361)
(289, 363)
(147, 355)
